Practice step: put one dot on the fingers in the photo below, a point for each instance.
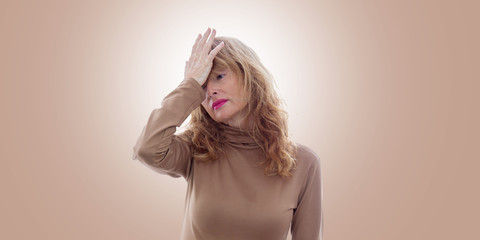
(200, 63)
(214, 52)
(209, 43)
(201, 44)
(202, 41)
(194, 48)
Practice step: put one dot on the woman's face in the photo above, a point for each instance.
(225, 99)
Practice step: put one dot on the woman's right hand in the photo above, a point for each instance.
(201, 60)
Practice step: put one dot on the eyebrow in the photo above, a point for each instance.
(219, 70)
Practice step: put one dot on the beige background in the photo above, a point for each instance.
(385, 92)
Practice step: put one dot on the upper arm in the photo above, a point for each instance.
(307, 221)
(174, 159)
(158, 147)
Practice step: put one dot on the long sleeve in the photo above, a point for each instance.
(308, 222)
(158, 147)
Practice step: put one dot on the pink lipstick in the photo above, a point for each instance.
(217, 104)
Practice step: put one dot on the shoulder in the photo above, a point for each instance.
(306, 157)
(308, 169)
(307, 163)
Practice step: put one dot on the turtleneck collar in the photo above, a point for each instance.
(237, 137)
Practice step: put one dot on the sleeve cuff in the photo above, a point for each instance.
(197, 86)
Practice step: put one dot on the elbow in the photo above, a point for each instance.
(150, 157)
(143, 154)
(142, 151)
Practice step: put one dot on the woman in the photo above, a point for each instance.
(246, 179)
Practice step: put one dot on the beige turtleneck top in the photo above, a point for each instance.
(231, 198)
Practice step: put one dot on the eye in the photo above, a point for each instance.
(220, 76)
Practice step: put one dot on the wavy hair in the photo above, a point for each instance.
(270, 127)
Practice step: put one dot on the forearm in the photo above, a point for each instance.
(156, 137)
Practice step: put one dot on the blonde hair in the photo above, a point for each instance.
(270, 127)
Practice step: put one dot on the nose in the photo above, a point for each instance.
(212, 91)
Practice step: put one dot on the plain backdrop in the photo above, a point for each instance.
(385, 92)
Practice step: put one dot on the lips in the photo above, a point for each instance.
(217, 104)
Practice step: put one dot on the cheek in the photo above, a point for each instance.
(205, 106)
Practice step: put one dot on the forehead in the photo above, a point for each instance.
(218, 69)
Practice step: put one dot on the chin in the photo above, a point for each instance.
(221, 119)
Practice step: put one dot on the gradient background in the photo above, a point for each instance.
(385, 92)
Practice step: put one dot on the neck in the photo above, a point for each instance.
(244, 123)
